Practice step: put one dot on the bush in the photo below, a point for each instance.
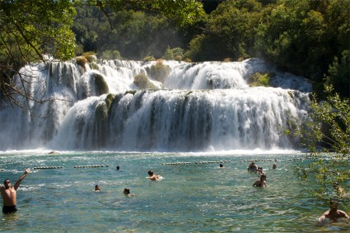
(149, 58)
(81, 61)
(142, 82)
(173, 54)
(159, 71)
(90, 56)
(111, 54)
(258, 79)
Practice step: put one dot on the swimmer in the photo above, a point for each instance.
(260, 171)
(127, 193)
(333, 214)
(221, 165)
(97, 188)
(118, 168)
(252, 167)
(261, 182)
(274, 166)
(154, 177)
(9, 194)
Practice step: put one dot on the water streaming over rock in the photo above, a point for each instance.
(191, 106)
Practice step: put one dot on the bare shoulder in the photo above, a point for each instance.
(343, 213)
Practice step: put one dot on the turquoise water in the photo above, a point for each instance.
(194, 197)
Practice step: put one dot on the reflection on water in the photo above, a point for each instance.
(195, 195)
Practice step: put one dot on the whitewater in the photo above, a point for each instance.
(204, 106)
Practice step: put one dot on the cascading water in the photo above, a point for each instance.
(199, 106)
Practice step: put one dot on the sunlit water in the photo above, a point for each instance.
(194, 197)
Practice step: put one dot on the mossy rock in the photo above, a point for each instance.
(94, 66)
(101, 86)
(101, 112)
(132, 92)
(109, 100)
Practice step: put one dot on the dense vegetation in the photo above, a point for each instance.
(305, 37)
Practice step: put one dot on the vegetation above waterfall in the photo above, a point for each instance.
(308, 38)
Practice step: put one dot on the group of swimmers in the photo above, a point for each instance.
(126, 192)
(261, 182)
(9, 192)
(332, 214)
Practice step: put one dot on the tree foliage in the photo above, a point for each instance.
(297, 33)
(29, 29)
(228, 32)
(327, 130)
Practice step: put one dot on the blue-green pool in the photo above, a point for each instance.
(196, 195)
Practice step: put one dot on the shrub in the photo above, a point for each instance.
(174, 54)
(149, 58)
(258, 79)
(142, 82)
(159, 71)
(81, 61)
(90, 56)
(111, 54)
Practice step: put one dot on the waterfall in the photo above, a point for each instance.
(191, 106)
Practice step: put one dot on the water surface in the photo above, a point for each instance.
(196, 195)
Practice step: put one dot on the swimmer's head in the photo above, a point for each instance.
(126, 191)
(333, 204)
(150, 173)
(7, 182)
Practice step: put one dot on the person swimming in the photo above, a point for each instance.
(127, 193)
(333, 213)
(153, 176)
(97, 188)
(261, 182)
(252, 167)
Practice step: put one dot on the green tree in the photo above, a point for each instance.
(339, 74)
(327, 129)
(304, 36)
(229, 32)
(29, 29)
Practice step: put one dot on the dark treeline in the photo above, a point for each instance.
(305, 37)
